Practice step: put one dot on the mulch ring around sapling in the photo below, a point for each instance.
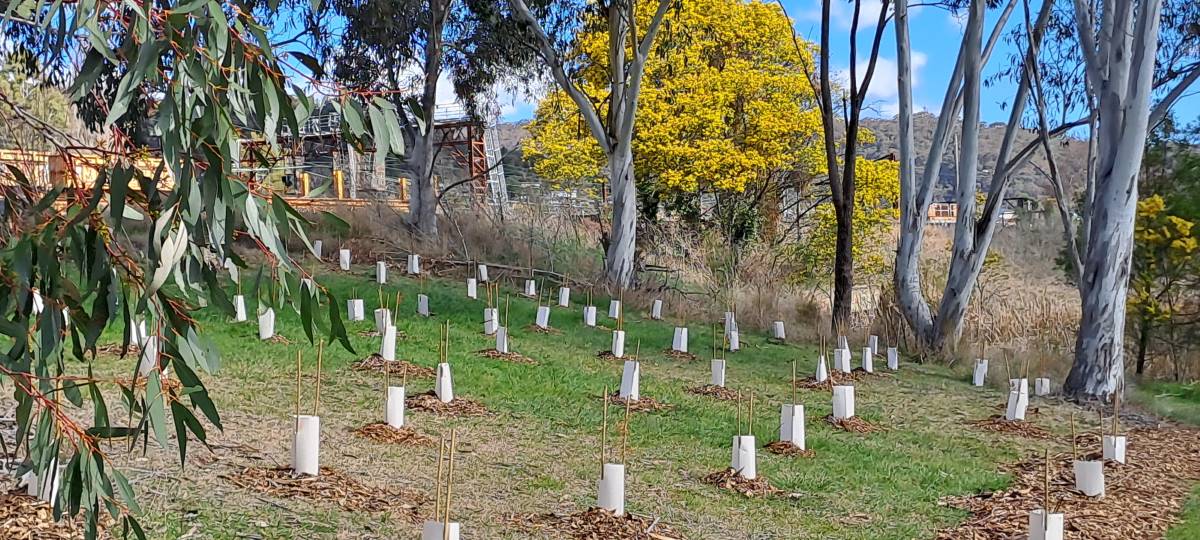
(1029, 411)
(376, 363)
(330, 486)
(713, 391)
(787, 449)
(1142, 498)
(114, 349)
(381, 432)
(279, 339)
(458, 407)
(513, 357)
(539, 330)
(641, 404)
(997, 424)
(607, 355)
(22, 516)
(679, 355)
(729, 479)
(854, 424)
(594, 523)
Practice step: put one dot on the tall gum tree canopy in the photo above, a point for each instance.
(722, 108)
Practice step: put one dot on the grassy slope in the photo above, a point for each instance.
(1182, 403)
(539, 453)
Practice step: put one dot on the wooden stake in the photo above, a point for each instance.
(403, 376)
(320, 355)
(507, 304)
(750, 414)
(449, 485)
(793, 383)
(1074, 446)
(437, 501)
(739, 412)
(1116, 421)
(1046, 489)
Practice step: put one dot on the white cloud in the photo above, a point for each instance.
(883, 94)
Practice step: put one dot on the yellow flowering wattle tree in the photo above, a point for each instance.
(725, 106)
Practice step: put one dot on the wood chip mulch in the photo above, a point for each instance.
(641, 404)
(376, 363)
(114, 349)
(373, 333)
(539, 330)
(854, 424)
(835, 378)
(168, 384)
(381, 432)
(679, 355)
(713, 391)
(279, 339)
(1029, 411)
(510, 356)
(1142, 498)
(608, 355)
(997, 424)
(330, 486)
(787, 449)
(729, 479)
(458, 407)
(28, 518)
(592, 524)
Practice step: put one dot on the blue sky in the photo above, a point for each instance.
(935, 34)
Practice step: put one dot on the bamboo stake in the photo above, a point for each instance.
(739, 412)
(793, 382)
(437, 501)
(1074, 448)
(298, 384)
(320, 355)
(750, 414)
(403, 376)
(625, 434)
(507, 304)
(449, 485)
(604, 432)
(1116, 421)
(1046, 490)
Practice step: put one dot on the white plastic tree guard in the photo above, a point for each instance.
(1043, 526)
(387, 346)
(443, 386)
(680, 341)
(358, 310)
(981, 369)
(630, 377)
(318, 247)
(306, 445)
(777, 331)
(564, 297)
(791, 424)
(735, 341)
(530, 288)
(822, 371)
(139, 333)
(1089, 477)
(1018, 399)
(491, 320)
(656, 310)
(744, 460)
(414, 264)
(843, 343)
(873, 343)
(1114, 448)
(38, 303)
(383, 319)
(841, 360)
(611, 488)
(618, 343)
(868, 360)
(472, 288)
(589, 315)
(423, 305)
(380, 272)
(266, 324)
(501, 340)
(148, 359)
(543, 317)
(344, 259)
(1041, 386)
(718, 372)
(239, 308)
(45, 489)
(614, 309)
(394, 412)
(436, 530)
(483, 276)
(843, 402)
(893, 359)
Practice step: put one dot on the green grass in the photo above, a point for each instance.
(1177, 401)
(540, 451)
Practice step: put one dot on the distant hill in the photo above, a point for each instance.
(1070, 155)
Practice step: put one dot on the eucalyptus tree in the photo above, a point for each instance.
(549, 28)
(399, 49)
(187, 73)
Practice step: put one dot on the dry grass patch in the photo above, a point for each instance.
(330, 486)
(997, 424)
(458, 407)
